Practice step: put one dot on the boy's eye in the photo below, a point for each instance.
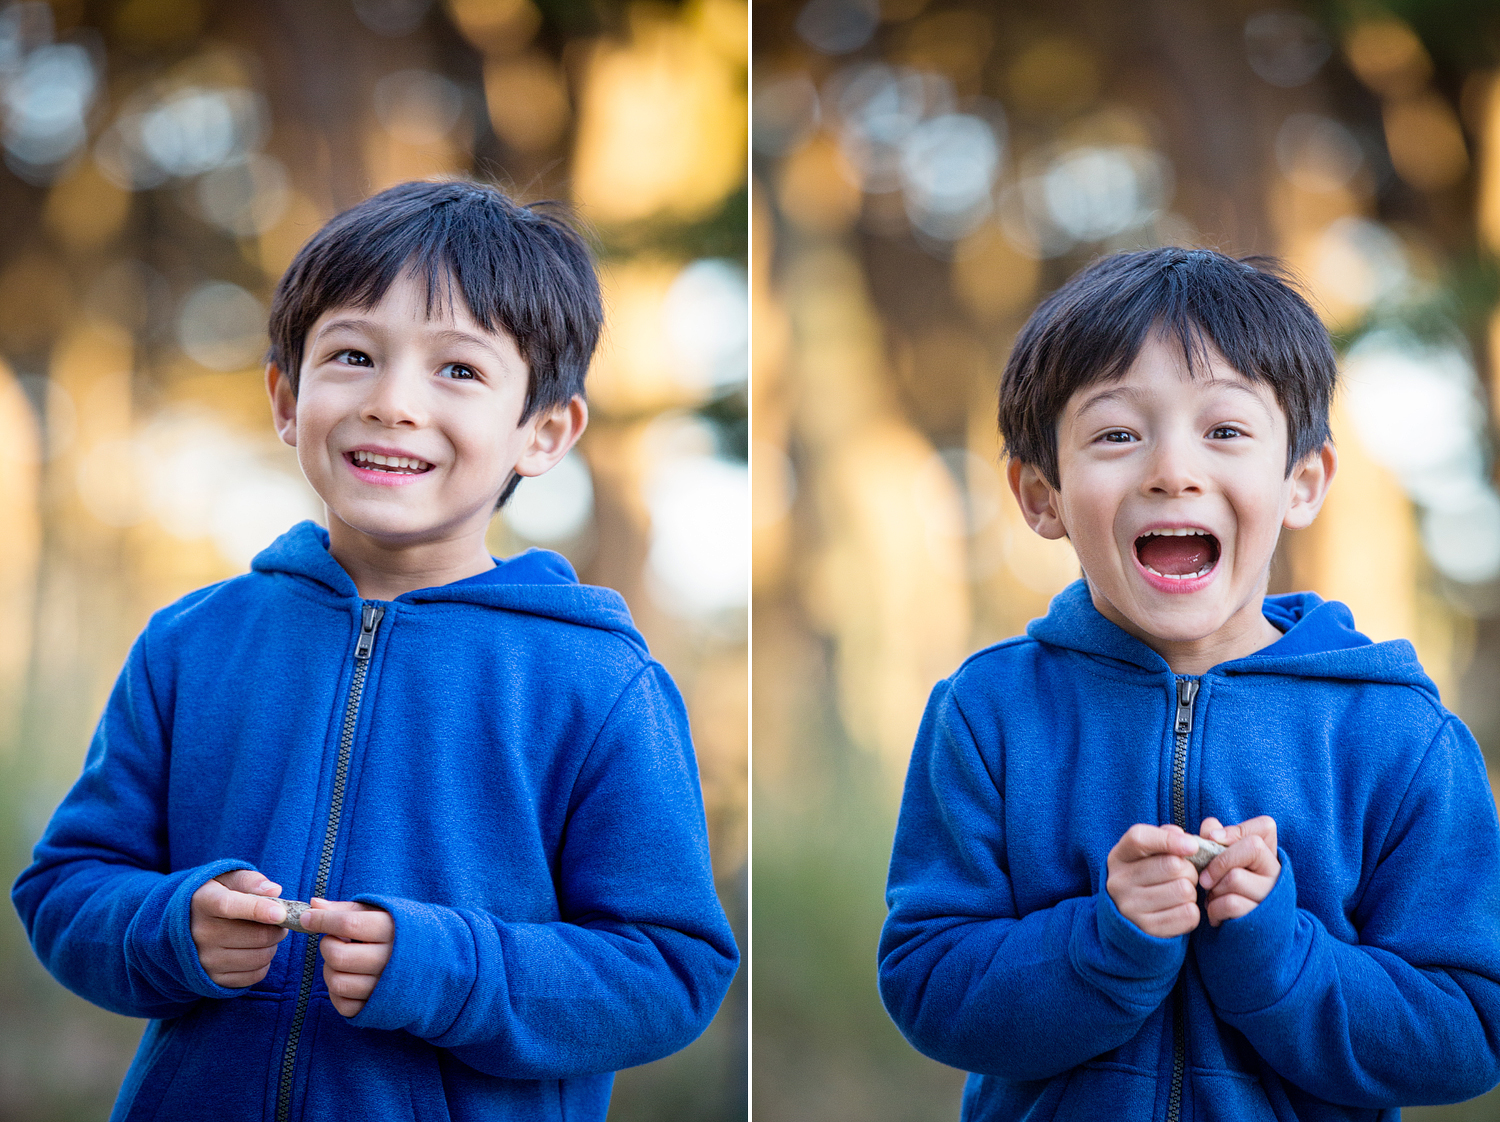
(1225, 432)
(1117, 436)
(351, 357)
(459, 370)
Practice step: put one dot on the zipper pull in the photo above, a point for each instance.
(1187, 689)
(369, 620)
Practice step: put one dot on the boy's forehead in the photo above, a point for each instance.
(1161, 369)
(408, 308)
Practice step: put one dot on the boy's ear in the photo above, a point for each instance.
(1309, 481)
(1037, 498)
(552, 434)
(283, 404)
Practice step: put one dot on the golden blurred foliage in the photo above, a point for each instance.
(1388, 57)
(277, 246)
(92, 362)
(885, 578)
(1425, 141)
(888, 584)
(720, 710)
(153, 24)
(391, 159)
(36, 299)
(724, 24)
(957, 43)
(1054, 75)
(661, 124)
(527, 100)
(20, 460)
(1487, 204)
(496, 27)
(992, 278)
(84, 210)
(818, 188)
(632, 372)
(1365, 505)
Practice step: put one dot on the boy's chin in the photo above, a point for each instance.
(1197, 617)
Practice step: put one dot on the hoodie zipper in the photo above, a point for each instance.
(370, 617)
(1182, 727)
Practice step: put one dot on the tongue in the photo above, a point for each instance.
(1174, 556)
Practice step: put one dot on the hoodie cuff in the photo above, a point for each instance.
(1134, 969)
(432, 970)
(159, 942)
(1251, 962)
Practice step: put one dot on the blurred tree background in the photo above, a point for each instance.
(163, 160)
(926, 172)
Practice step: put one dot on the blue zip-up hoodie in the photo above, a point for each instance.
(497, 762)
(1368, 978)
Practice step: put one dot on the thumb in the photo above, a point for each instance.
(250, 881)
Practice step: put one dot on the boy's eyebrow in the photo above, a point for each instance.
(445, 335)
(1114, 393)
(1125, 393)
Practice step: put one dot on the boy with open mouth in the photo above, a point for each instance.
(1186, 850)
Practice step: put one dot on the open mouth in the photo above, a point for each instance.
(395, 465)
(1181, 554)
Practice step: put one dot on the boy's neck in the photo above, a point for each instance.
(1244, 633)
(382, 571)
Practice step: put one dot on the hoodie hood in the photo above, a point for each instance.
(1319, 640)
(537, 582)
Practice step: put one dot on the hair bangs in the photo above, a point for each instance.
(519, 269)
(1092, 329)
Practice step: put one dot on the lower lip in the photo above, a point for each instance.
(384, 478)
(1167, 584)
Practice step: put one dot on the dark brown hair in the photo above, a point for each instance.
(520, 268)
(1091, 329)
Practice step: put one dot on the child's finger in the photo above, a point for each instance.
(236, 935)
(1163, 868)
(1142, 841)
(1262, 826)
(1170, 923)
(1164, 897)
(345, 920)
(244, 906)
(1228, 906)
(1242, 882)
(248, 880)
(352, 987)
(355, 958)
(1215, 830)
(1247, 853)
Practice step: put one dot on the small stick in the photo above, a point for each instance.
(294, 910)
(1207, 851)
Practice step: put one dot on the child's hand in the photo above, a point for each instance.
(1151, 881)
(356, 946)
(232, 918)
(1244, 874)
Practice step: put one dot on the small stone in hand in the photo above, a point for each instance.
(1207, 851)
(294, 910)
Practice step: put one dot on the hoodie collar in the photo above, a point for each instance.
(1319, 640)
(537, 582)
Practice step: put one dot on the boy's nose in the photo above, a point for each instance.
(395, 399)
(1174, 469)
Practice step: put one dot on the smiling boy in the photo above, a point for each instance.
(472, 769)
(1055, 928)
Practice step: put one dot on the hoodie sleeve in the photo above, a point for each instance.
(969, 981)
(642, 956)
(1411, 1013)
(105, 914)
